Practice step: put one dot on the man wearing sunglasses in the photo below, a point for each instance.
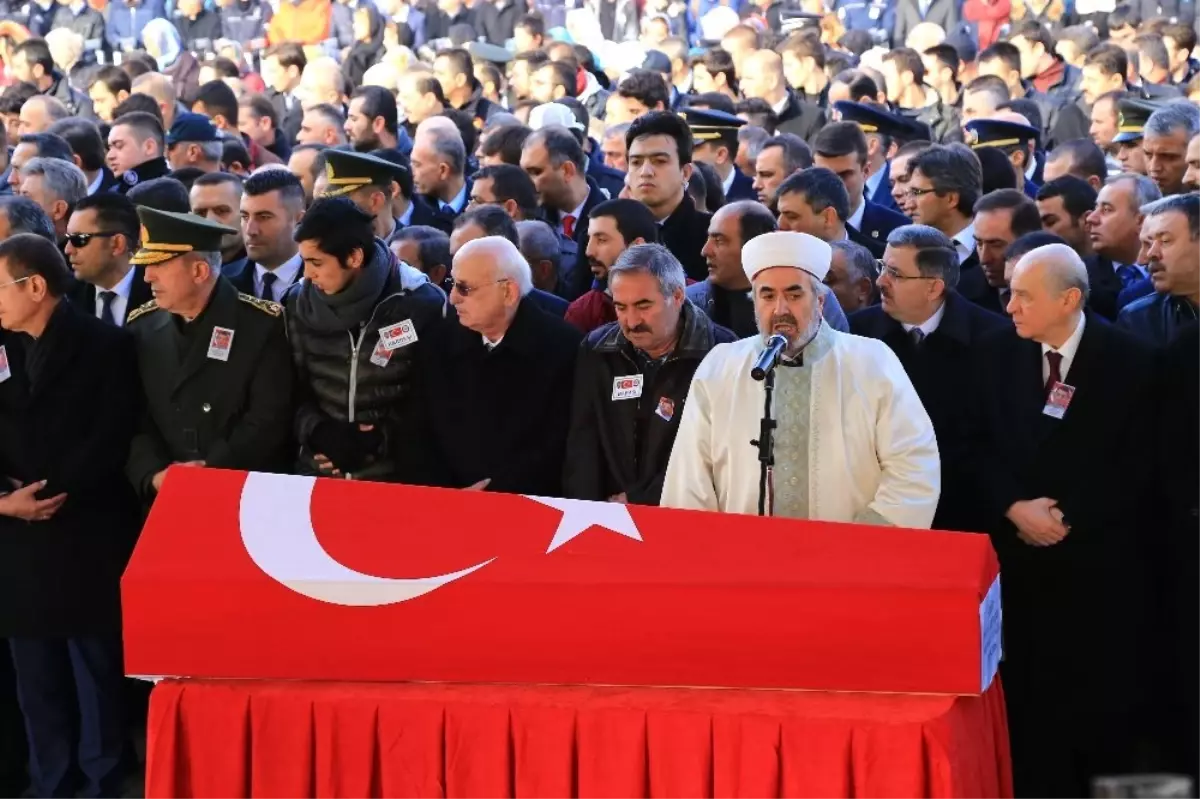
(102, 235)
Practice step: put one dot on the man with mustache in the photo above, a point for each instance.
(632, 379)
(1171, 241)
(876, 453)
(613, 227)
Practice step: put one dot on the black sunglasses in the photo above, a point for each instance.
(80, 240)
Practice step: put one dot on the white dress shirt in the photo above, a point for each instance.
(458, 202)
(577, 213)
(1067, 351)
(95, 185)
(727, 183)
(285, 276)
(855, 220)
(964, 242)
(874, 181)
(120, 303)
(930, 324)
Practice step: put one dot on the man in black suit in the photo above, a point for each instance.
(493, 220)
(660, 165)
(497, 378)
(841, 147)
(762, 77)
(408, 209)
(272, 206)
(1114, 227)
(944, 184)
(283, 66)
(557, 165)
(69, 397)
(1171, 236)
(102, 235)
(369, 181)
(815, 201)
(1063, 405)
(935, 333)
(439, 162)
(1001, 217)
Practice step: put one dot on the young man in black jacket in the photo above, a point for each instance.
(632, 379)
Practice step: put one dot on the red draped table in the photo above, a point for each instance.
(261, 738)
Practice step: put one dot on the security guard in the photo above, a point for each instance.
(215, 365)
(367, 181)
(1015, 140)
(1132, 115)
(715, 139)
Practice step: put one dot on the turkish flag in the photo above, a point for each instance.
(280, 577)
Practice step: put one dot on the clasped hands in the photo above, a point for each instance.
(1039, 521)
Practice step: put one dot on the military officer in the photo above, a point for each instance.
(1015, 140)
(715, 141)
(1132, 114)
(366, 180)
(215, 364)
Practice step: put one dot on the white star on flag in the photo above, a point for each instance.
(580, 514)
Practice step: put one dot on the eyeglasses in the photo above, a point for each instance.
(465, 290)
(80, 240)
(15, 282)
(894, 274)
(914, 192)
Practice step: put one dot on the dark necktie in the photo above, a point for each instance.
(106, 309)
(269, 279)
(1055, 361)
(1128, 275)
(917, 335)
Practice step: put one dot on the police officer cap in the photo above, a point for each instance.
(1132, 114)
(998, 133)
(347, 171)
(872, 119)
(167, 234)
(192, 127)
(786, 248)
(709, 124)
(491, 53)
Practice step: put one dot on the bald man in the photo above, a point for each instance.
(762, 77)
(497, 377)
(160, 87)
(39, 113)
(321, 83)
(1065, 444)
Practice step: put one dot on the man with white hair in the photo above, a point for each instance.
(439, 161)
(1165, 143)
(56, 186)
(876, 458)
(1065, 426)
(497, 377)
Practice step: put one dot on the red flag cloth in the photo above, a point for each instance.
(249, 738)
(284, 577)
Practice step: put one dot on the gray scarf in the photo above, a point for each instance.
(351, 307)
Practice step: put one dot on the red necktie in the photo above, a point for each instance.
(569, 226)
(1055, 361)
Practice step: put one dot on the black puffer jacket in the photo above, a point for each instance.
(339, 381)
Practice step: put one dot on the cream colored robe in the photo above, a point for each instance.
(873, 456)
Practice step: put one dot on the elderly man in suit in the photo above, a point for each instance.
(1063, 404)
(69, 518)
(935, 332)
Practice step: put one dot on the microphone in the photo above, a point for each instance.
(769, 358)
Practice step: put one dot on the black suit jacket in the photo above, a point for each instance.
(70, 425)
(742, 187)
(874, 246)
(501, 414)
(940, 370)
(581, 279)
(289, 119)
(243, 278)
(973, 285)
(802, 118)
(424, 214)
(1062, 601)
(684, 233)
(83, 295)
(1103, 286)
(878, 222)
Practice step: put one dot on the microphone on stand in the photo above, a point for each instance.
(769, 358)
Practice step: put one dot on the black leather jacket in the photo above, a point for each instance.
(339, 381)
(1157, 318)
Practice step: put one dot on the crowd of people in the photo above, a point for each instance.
(489, 246)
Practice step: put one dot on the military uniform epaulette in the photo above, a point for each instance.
(141, 311)
(266, 306)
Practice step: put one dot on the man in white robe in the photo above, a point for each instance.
(853, 442)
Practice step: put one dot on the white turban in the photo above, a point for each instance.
(784, 248)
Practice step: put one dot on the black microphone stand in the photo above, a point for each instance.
(766, 444)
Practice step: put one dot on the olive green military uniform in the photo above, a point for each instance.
(217, 389)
